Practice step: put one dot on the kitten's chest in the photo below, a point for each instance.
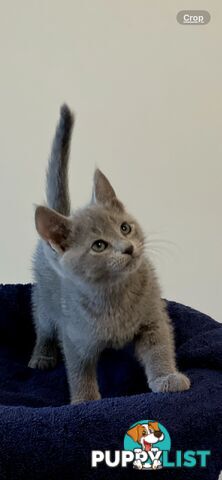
(100, 320)
(119, 328)
(111, 322)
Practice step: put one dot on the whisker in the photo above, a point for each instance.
(160, 248)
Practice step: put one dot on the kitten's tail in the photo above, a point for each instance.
(57, 190)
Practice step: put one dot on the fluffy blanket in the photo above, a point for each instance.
(43, 437)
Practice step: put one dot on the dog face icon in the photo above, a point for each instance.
(146, 434)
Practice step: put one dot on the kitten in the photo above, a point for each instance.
(95, 288)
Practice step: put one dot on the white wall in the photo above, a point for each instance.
(147, 92)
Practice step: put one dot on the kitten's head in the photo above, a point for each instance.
(100, 242)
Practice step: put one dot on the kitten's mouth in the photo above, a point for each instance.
(124, 266)
(133, 259)
(129, 264)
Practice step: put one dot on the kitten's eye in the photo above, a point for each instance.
(125, 228)
(99, 246)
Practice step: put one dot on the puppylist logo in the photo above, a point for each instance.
(147, 445)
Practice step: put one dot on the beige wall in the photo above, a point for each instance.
(147, 92)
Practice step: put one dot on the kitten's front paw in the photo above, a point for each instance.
(42, 362)
(174, 382)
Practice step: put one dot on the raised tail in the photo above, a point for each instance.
(57, 190)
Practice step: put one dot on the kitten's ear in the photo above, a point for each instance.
(103, 192)
(53, 227)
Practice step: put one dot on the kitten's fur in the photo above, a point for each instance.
(88, 301)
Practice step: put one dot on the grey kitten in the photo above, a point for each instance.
(95, 288)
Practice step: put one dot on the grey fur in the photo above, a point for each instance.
(88, 301)
(57, 192)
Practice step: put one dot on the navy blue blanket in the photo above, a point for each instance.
(43, 437)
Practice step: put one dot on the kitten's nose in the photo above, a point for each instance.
(128, 250)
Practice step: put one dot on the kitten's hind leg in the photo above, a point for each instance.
(45, 353)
